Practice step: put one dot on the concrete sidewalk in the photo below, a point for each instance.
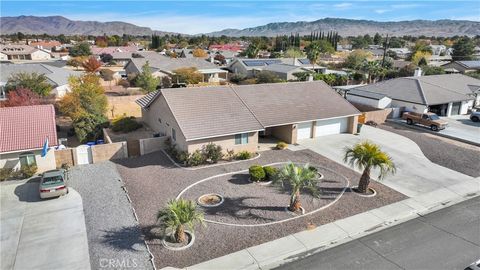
(47, 234)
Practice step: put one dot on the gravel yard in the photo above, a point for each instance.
(458, 156)
(152, 180)
(114, 237)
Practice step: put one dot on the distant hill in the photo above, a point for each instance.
(56, 25)
(348, 27)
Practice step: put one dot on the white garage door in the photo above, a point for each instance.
(304, 130)
(332, 126)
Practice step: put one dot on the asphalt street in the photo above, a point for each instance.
(446, 239)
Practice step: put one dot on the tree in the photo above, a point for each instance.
(297, 178)
(80, 49)
(37, 83)
(266, 76)
(430, 70)
(106, 58)
(377, 39)
(189, 75)
(313, 53)
(220, 58)
(407, 70)
(463, 49)
(106, 74)
(76, 61)
(293, 52)
(91, 65)
(146, 80)
(252, 50)
(88, 127)
(87, 97)
(357, 58)
(21, 97)
(367, 156)
(180, 214)
(359, 43)
(419, 55)
(166, 82)
(198, 52)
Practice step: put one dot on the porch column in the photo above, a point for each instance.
(449, 109)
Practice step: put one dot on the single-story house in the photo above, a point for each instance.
(97, 51)
(462, 66)
(46, 45)
(23, 52)
(445, 95)
(24, 131)
(57, 77)
(285, 71)
(164, 66)
(235, 116)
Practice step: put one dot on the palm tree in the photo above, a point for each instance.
(366, 155)
(313, 53)
(180, 214)
(298, 178)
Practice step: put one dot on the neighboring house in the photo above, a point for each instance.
(57, 77)
(23, 52)
(285, 71)
(46, 45)
(399, 64)
(462, 66)
(234, 116)
(228, 55)
(376, 52)
(97, 51)
(24, 131)
(236, 48)
(445, 95)
(401, 53)
(164, 66)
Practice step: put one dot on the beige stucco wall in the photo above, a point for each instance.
(227, 143)
(352, 124)
(110, 151)
(285, 133)
(40, 55)
(43, 163)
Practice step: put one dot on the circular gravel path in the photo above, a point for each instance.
(249, 204)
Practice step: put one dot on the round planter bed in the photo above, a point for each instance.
(301, 212)
(370, 192)
(261, 183)
(210, 200)
(168, 242)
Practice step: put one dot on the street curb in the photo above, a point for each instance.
(303, 244)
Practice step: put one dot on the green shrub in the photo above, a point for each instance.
(182, 156)
(5, 173)
(282, 145)
(125, 124)
(242, 155)
(313, 169)
(28, 171)
(196, 158)
(270, 172)
(212, 152)
(256, 173)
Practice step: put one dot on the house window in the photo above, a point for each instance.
(174, 134)
(241, 138)
(27, 159)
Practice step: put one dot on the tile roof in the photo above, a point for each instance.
(46, 44)
(16, 49)
(56, 76)
(214, 111)
(165, 63)
(99, 50)
(27, 127)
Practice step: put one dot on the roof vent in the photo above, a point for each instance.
(418, 72)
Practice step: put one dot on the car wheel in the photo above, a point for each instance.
(434, 128)
(475, 118)
(409, 121)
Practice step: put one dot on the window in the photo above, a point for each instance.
(174, 134)
(241, 138)
(27, 159)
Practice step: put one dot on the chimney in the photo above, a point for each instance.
(310, 78)
(418, 72)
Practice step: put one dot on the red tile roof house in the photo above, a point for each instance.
(23, 131)
(233, 116)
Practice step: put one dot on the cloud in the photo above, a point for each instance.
(342, 5)
(381, 11)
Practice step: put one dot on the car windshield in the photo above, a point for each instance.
(53, 180)
(434, 117)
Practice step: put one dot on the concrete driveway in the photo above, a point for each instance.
(47, 234)
(415, 175)
(462, 127)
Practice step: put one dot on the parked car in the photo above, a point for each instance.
(474, 266)
(53, 184)
(475, 116)
(427, 119)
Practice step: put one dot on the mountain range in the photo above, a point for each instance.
(55, 25)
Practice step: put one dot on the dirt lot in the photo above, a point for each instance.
(152, 180)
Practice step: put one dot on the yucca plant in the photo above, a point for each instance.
(179, 214)
(366, 156)
(298, 178)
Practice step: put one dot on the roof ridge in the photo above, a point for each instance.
(422, 94)
(246, 106)
(447, 89)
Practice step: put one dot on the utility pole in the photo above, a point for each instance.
(385, 46)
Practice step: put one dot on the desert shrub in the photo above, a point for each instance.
(282, 145)
(236, 78)
(107, 74)
(5, 173)
(171, 147)
(28, 171)
(212, 152)
(123, 83)
(256, 173)
(196, 158)
(242, 155)
(125, 124)
(182, 156)
(270, 172)
(230, 155)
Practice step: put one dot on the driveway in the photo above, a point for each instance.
(415, 175)
(41, 234)
(462, 127)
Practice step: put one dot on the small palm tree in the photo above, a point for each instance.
(366, 155)
(180, 214)
(298, 178)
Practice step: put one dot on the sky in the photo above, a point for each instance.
(193, 17)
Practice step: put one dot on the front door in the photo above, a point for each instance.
(456, 108)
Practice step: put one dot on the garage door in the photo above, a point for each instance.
(304, 130)
(332, 126)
